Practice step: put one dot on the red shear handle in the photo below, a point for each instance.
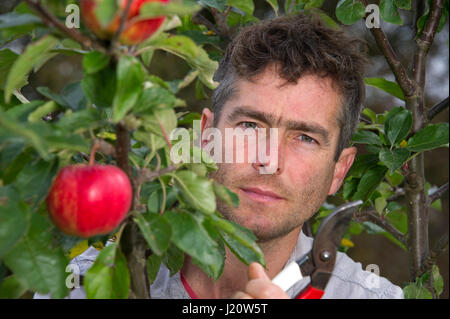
(310, 293)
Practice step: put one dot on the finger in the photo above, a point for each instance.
(256, 271)
(240, 295)
(262, 288)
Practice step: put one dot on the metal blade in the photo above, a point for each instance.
(329, 235)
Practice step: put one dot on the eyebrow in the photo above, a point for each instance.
(274, 121)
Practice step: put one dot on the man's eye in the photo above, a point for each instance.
(306, 138)
(248, 125)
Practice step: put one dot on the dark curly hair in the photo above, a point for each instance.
(298, 45)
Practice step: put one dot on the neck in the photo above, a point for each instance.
(234, 277)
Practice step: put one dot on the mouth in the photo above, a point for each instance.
(260, 195)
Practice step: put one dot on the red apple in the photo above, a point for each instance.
(134, 32)
(89, 200)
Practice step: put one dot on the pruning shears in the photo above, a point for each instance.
(319, 262)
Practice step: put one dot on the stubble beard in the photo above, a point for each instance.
(268, 223)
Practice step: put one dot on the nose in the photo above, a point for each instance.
(269, 154)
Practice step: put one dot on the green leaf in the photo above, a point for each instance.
(154, 98)
(11, 288)
(224, 194)
(313, 4)
(14, 220)
(156, 231)
(240, 240)
(349, 11)
(389, 12)
(438, 281)
(105, 11)
(80, 121)
(109, 277)
(32, 55)
(14, 19)
(403, 4)
(423, 19)
(7, 58)
(325, 18)
(152, 267)
(430, 137)
(190, 236)
(29, 134)
(155, 9)
(396, 214)
(130, 78)
(362, 163)
(394, 158)
(397, 125)
(21, 112)
(94, 61)
(37, 262)
(217, 4)
(369, 182)
(350, 187)
(36, 172)
(366, 137)
(100, 87)
(416, 291)
(173, 259)
(195, 56)
(71, 96)
(389, 87)
(380, 204)
(370, 114)
(68, 142)
(43, 110)
(247, 6)
(165, 118)
(274, 5)
(196, 191)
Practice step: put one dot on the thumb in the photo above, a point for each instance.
(256, 271)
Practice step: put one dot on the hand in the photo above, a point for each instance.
(260, 286)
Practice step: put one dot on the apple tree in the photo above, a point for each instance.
(120, 114)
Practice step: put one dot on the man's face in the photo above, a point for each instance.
(306, 115)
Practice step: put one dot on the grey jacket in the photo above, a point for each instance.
(348, 281)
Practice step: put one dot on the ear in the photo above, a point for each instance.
(207, 121)
(341, 168)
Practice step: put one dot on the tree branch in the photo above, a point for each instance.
(392, 59)
(425, 41)
(147, 175)
(437, 108)
(123, 19)
(372, 216)
(438, 193)
(437, 250)
(132, 243)
(51, 21)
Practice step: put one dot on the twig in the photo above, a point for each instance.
(438, 193)
(396, 66)
(437, 108)
(123, 19)
(51, 21)
(374, 217)
(146, 175)
(198, 18)
(425, 41)
(399, 192)
(437, 250)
